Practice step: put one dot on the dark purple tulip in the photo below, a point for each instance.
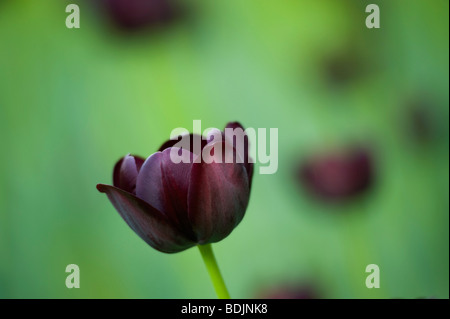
(290, 292)
(420, 124)
(345, 66)
(337, 175)
(138, 14)
(176, 206)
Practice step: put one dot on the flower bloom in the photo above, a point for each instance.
(137, 14)
(337, 176)
(174, 206)
(290, 291)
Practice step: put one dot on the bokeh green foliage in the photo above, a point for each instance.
(72, 102)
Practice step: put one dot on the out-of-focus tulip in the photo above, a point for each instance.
(419, 119)
(299, 291)
(337, 175)
(138, 14)
(176, 206)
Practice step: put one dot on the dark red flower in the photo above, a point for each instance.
(337, 175)
(420, 119)
(138, 14)
(176, 206)
(290, 291)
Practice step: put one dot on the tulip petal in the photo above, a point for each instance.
(164, 185)
(234, 125)
(192, 138)
(149, 182)
(150, 224)
(126, 171)
(248, 161)
(218, 195)
(176, 178)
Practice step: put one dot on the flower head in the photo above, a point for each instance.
(290, 291)
(174, 206)
(337, 175)
(138, 14)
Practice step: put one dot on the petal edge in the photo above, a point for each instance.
(150, 224)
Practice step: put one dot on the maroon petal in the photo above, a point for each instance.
(249, 169)
(150, 224)
(239, 140)
(149, 185)
(234, 125)
(126, 171)
(217, 198)
(164, 185)
(190, 147)
(176, 178)
(237, 144)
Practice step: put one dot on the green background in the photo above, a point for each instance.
(73, 101)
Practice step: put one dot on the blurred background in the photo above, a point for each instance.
(362, 116)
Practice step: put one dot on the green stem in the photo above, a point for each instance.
(213, 270)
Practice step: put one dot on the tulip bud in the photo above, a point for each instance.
(174, 206)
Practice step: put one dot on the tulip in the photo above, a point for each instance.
(419, 120)
(337, 175)
(173, 207)
(290, 291)
(137, 14)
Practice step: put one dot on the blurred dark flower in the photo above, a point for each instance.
(345, 66)
(420, 124)
(175, 206)
(419, 121)
(337, 175)
(300, 291)
(341, 70)
(137, 14)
